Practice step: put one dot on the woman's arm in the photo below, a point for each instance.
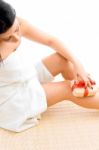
(34, 34)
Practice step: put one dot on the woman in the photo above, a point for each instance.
(26, 92)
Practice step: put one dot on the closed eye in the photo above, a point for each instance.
(7, 39)
(10, 37)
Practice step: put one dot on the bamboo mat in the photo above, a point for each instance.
(65, 126)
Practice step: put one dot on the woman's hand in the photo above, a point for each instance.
(81, 74)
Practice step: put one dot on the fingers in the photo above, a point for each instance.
(87, 80)
(88, 84)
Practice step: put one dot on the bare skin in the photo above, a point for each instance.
(60, 62)
(62, 90)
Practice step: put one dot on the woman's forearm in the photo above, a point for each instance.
(61, 49)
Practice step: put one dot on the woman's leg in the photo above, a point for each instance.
(56, 64)
(59, 91)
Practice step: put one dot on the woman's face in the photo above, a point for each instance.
(13, 34)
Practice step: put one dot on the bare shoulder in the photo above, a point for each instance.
(31, 32)
(24, 25)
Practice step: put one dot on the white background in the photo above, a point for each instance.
(75, 22)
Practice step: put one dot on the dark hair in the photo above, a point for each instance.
(7, 16)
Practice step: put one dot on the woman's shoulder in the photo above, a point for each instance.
(27, 29)
(23, 25)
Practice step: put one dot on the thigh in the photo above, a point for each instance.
(43, 74)
(57, 91)
(49, 67)
(57, 64)
(53, 63)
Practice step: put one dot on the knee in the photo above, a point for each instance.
(65, 66)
